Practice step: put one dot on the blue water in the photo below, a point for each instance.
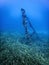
(11, 19)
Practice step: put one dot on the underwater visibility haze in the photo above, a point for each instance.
(24, 32)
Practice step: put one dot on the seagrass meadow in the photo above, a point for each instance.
(14, 52)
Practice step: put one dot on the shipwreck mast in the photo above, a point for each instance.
(26, 22)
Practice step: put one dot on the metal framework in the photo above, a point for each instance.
(25, 22)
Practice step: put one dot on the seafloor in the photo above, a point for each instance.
(14, 51)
